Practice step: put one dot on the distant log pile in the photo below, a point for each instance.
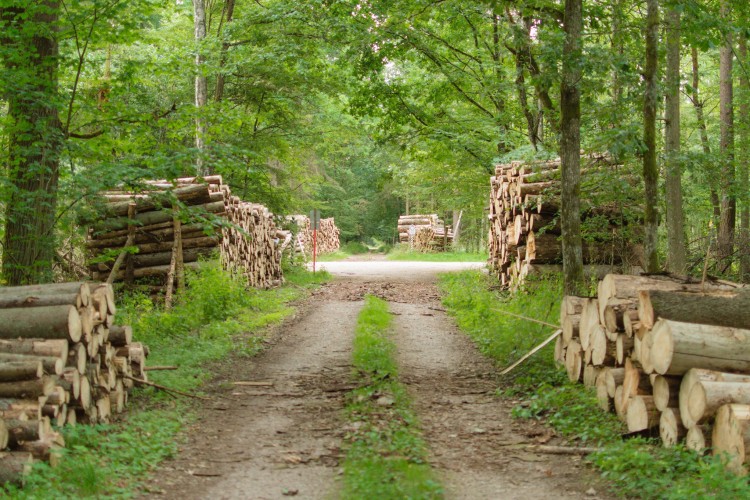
(63, 361)
(250, 246)
(328, 237)
(428, 233)
(157, 233)
(667, 355)
(525, 222)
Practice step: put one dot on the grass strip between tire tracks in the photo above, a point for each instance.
(386, 456)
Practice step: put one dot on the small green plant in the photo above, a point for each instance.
(386, 456)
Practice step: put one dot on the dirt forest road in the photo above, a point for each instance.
(279, 433)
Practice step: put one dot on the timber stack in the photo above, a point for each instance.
(171, 225)
(525, 221)
(328, 237)
(152, 223)
(249, 246)
(63, 361)
(667, 355)
(428, 232)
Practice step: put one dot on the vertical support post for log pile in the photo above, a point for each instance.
(128, 242)
(315, 247)
(129, 267)
(176, 255)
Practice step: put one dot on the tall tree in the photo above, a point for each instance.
(30, 53)
(570, 146)
(650, 170)
(744, 163)
(726, 144)
(677, 246)
(201, 85)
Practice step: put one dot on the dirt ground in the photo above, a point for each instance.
(276, 424)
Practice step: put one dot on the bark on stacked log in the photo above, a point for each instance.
(429, 233)
(666, 354)
(250, 246)
(151, 228)
(525, 224)
(63, 361)
(328, 237)
(183, 208)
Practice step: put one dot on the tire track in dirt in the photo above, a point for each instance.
(279, 441)
(475, 444)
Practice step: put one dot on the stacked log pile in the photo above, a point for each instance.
(63, 361)
(429, 232)
(666, 354)
(525, 224)
(250, 246)
(150, 220)
(328, 236)
(174, 224)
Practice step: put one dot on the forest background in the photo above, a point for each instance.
(369, 109)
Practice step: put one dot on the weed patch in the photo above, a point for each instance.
(636, 468)
(216, 315)
(386, 456)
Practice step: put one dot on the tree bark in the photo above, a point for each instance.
(650, 169)
(744, 164)
(201, 89)
(720, 309)
(220, 78)
(35, 141)
(677, 261)
(725, 245)
(570, 146)
(700, 118)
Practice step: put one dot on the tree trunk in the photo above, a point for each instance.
(677, 261)
(52, 322)
(570, 146)
(220, 78)
(201, 90)
(650, 170)
(700, 118)
(725, 245)
(744, 165)
(34, 143)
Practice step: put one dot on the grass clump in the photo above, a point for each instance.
(386, 456)
(215, 316)
(636, 468)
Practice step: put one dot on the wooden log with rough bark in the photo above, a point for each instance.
(49, 322)
(676, 347)
(719, 308)
(14, 467)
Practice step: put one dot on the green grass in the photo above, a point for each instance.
(636, 468)
(216, 316)
(403, 253)
(386, 456)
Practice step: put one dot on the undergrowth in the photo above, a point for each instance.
(386, 456)
(637, 468)
(215, 316)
